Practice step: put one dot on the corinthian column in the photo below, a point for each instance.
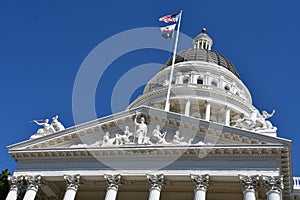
(156, 183)
(249, 185)
(273, 186)
(114, 181)
(14, 183)
(33, 183)
(201, 183)
(73, 182)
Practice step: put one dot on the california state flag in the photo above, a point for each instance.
(169, 28)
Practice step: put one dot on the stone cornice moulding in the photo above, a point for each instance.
(203, 91)
(153, 150)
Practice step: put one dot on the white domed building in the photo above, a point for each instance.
(209, 142)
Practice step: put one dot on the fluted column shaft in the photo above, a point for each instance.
(156, 183)
(207, 111)
(274, 195)
(273, 186)
(73, 183)
(249, 185)
(14, 183)
(199, 194)
(249, 194)
(33, 183)
(114, 181)
(201, 183)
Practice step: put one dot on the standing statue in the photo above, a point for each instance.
(140, 130)
(48, 128)
(158, 137)
(57, 125)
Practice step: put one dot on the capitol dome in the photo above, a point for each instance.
(204, 85)
(203, 55)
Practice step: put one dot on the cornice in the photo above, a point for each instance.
(201, 92)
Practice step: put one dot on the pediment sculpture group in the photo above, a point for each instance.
(47, 128)
(140, 136)
(256, 122)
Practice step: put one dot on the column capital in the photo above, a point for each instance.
(114, 181)
(156, 181)
(33, 182)
(73, 181)
(273, 183)
(249, 182)
(15, 182)
(200, 181)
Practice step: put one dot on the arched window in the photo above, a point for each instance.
(200, 80)
(227, 88)
(185, 80)
(214, 83)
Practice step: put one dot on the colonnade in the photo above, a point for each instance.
(207, 111)
(273, 186)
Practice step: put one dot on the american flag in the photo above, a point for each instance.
(169, 28)
(169, 18)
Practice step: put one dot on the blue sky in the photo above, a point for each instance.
(43, 43)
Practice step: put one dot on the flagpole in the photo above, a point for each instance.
(167, 106)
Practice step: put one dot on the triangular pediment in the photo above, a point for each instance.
(174, 130)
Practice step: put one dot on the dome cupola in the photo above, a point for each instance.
(203, 41)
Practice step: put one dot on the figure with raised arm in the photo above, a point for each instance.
(141, 130)
(48, 128)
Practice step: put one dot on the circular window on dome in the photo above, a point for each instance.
(227, 87)
(185, 80)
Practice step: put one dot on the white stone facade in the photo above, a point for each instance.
(212, 144)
